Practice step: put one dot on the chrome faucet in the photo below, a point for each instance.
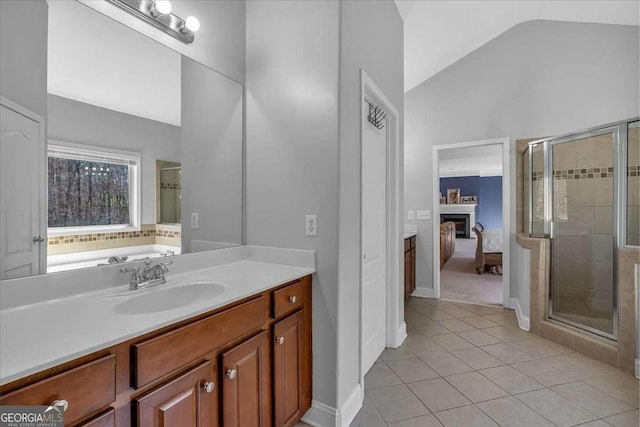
(152, 275)
(117, 259)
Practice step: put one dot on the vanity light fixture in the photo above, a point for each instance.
(158, 13)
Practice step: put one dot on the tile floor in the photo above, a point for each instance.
(470, 365)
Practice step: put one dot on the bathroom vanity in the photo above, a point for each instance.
(228, 345)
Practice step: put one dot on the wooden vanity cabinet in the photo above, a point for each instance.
(246, 364)
(409, 266)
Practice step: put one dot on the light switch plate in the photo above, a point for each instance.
(424, 214)
(411, 215)
(311, 225)
(195, 222)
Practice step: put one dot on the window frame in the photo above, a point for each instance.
(134, 160)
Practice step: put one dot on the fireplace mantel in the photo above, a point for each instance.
(460, 209)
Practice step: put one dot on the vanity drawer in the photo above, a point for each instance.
(87, 388)
(288, 299)
(158, 356)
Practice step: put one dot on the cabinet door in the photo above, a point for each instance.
(186, 401)
(288, 369)
(107, 419)
(246, 384)
(407, 274)
(412, 271)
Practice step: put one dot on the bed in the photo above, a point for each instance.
(488, 249)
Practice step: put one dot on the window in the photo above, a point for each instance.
(92, 189)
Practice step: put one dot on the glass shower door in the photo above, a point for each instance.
(583, 233)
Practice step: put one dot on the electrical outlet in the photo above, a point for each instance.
(411, 215)
(424, 215)
(195, 222)
(311, 225)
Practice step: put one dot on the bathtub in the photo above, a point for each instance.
(76, 260)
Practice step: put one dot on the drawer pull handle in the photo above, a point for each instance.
(292, 299)
(231, 373)
(62, 404)
(280, 340)
(209, 386)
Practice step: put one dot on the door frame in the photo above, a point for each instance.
(395, 328)
(506, 212)
(41, 121)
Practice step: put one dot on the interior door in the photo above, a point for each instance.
(374, 176)
(21, 151)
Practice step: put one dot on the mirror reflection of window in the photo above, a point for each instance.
(633, 184)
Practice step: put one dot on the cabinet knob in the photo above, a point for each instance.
(231, 373)
(209, 386)
(292, 299)
(280, 340)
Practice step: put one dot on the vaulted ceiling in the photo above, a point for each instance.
(438, 33)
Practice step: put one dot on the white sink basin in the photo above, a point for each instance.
(163, 299)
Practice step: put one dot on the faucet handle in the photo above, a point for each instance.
(134, 270)
(147, 261)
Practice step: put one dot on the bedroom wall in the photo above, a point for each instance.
(489, 192)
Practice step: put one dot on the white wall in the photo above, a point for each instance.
(23, 53)
(80, 123)
(211, 148)
(539, 78)
(292, 151)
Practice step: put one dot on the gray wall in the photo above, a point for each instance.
(211, 141)
(23, 53)
(80, 123)
(303, 152)
(371, 40)
(539, 78)
(292, 151)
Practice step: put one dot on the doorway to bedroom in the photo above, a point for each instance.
(472, 222)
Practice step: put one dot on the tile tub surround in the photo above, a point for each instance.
(149, 234)
(28, 303)
(535, 382)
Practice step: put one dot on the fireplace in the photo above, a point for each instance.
(463, 228)
(464, 216)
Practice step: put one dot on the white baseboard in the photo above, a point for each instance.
(638, 368)
(321, 415)
(402, 333)
(423, 293)
(523, 321)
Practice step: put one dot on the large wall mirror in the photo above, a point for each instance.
(143, 148)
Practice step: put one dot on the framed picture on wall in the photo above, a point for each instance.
(468, 200)
(453, 196)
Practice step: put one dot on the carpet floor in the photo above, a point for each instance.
(460, 282)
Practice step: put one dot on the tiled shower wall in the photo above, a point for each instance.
(633, 189)
(149, 234)
(583, 237)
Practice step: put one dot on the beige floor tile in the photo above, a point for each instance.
(452, 342)
(507, 353)
(412, 316)
(439, 315)
(535, 348)
(483, 309)
(507, 333)
(380, 375)
(401, 352)
(438, 395)
(459, 312)
(412, 332)
(456, 325)
(626, 419)
(477, 358)
(479, 322)
(465, 416)
(510, 412)
(478, 337)
(596, 423)
(431, 328)
(622, 386)
(475, 387)
(593, 400)
(503, 318)
(397, 403)
(511, 380)
(368, 416)
(544, 373)
(423, 345)
(412, 370)
(446, 364)
(555, 408)
(423, 421)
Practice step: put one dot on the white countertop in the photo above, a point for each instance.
(44, 334)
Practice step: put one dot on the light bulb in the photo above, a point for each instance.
(162, 7)
(192, 24)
